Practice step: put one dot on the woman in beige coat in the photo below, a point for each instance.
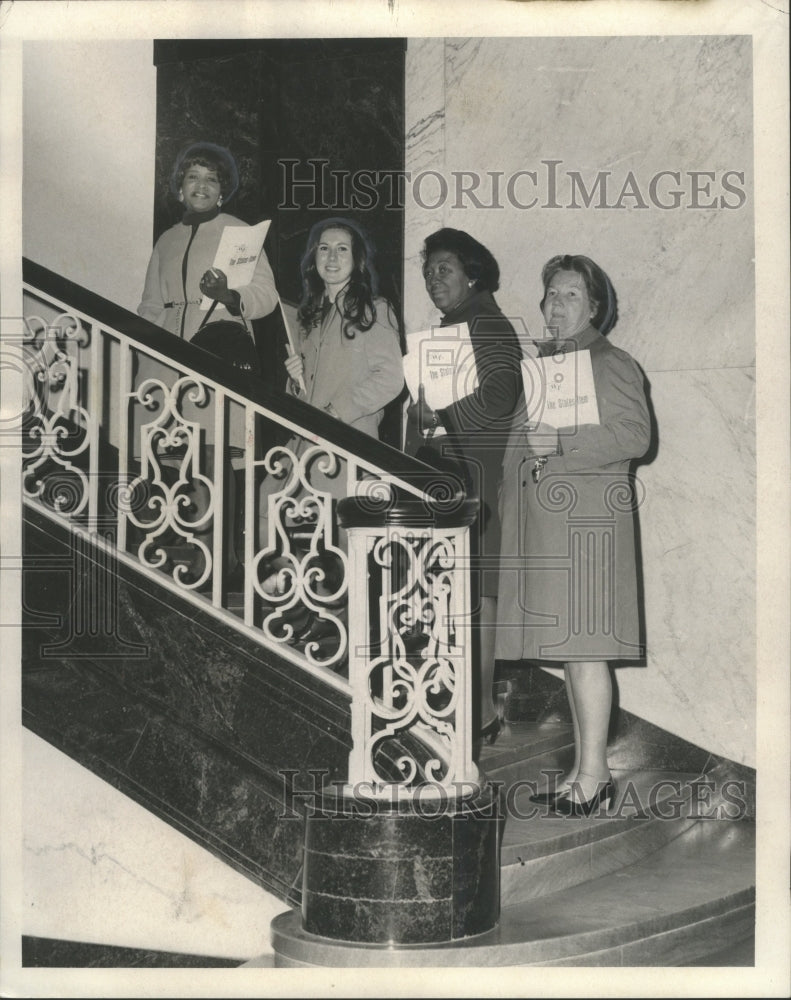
(570, 594)
(347, 361)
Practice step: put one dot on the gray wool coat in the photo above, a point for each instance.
(569, 587)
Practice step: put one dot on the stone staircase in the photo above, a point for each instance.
(665, 876)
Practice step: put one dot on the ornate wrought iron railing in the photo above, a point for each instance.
(227, 494)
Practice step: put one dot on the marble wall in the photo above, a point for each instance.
(99, 867)
(594, 123)
(88, 140)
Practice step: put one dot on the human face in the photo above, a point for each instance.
(446, 282)
(567, 308)
(334, 259)
(200, 189)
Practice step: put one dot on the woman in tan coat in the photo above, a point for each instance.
(348, 361)
(570, 594)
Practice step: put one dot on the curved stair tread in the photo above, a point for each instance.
(522, 741)
(706, 872)
(642, 797)
(547, 853)
(693, 897)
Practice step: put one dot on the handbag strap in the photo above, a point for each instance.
(212, 307)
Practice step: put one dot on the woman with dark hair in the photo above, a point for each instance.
(461, 276)
(347, 363)
(568, 508)
(349, 358)
(180, 271)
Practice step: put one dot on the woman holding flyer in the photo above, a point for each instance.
(181, 276)
(185, 292)
(348, 356)
(346, 359)
(568, 503)
(461, 276)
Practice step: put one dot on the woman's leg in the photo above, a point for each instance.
(571, 774)
(591, 688)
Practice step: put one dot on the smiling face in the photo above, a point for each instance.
(446, 281)
(567, 306)
(334, 259)
(200, 189)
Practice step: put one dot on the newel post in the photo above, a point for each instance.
(407, 850)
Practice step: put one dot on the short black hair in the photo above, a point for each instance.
(478, 262)
(213, 157)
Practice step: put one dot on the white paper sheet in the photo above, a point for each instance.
(237, 255)
(559, 389)
(442, 360)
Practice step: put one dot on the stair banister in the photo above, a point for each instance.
(406, 523)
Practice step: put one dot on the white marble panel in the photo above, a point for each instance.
(99, 868)
(684, 275)
(618, 112)
(697, 530)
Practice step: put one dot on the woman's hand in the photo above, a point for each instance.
(296, 370)
(214, 285)
(542, 439)
(421, 414)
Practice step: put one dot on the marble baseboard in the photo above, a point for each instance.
(54, 953)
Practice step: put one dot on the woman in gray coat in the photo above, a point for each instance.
(570, 594)
(349, 360)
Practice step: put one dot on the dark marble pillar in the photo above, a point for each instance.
(405, 873)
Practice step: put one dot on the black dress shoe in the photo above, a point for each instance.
(549, 798)
(564, 806)
(491, 731)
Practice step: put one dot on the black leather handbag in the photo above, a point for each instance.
(231, 342)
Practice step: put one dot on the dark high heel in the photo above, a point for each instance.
(564, 806)
(548, 798)
(491, 731)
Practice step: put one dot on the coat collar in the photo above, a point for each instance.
(197, 218)
(581, 341)
(479, 303)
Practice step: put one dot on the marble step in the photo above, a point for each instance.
(519, 742)
(542, 852)
(692, 898)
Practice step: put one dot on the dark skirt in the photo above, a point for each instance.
(478, 465)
